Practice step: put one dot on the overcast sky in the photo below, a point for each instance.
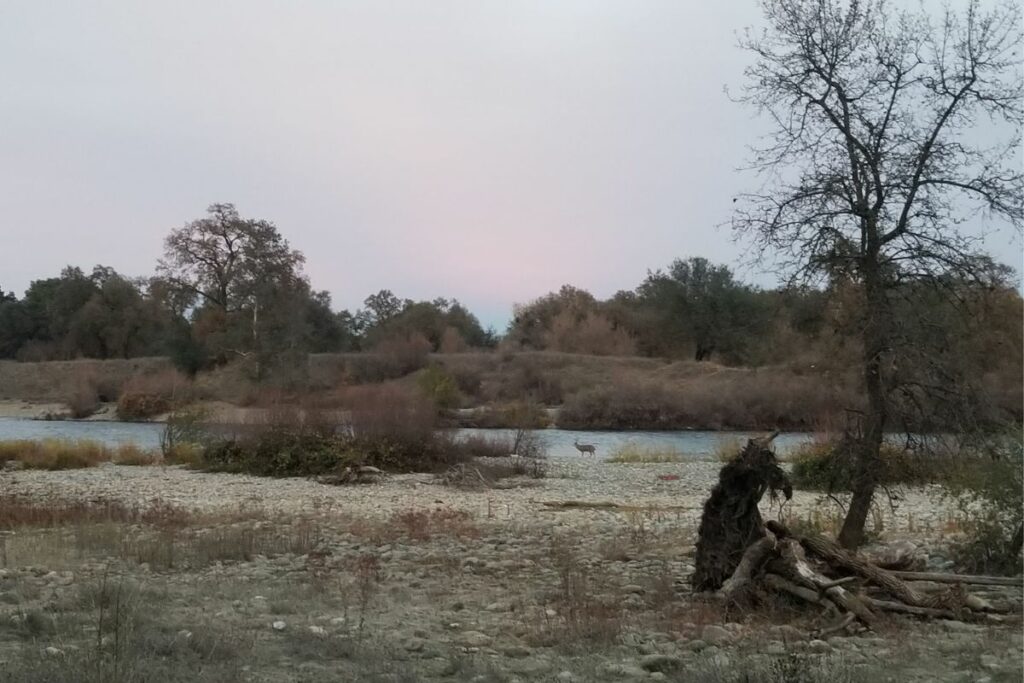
(488, 151)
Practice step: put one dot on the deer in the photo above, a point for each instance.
(584, 447)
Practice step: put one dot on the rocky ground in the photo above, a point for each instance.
(215, 577)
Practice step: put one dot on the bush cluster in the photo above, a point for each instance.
(386, 427)
(824, 465)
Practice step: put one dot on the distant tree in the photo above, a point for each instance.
(697, 301)
(234, 271)
(531, 322)
(381, 307)
(403, 318)
(874, 162)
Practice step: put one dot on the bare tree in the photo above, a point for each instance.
(895, 139)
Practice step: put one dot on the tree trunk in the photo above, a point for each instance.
(866, 470)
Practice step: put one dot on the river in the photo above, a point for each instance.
(559, 442)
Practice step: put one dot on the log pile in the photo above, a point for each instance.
(740, 558)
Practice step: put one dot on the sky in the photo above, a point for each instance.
(485, 150)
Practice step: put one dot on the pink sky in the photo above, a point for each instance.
(488, 151)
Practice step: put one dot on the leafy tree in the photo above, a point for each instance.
(874, 163)
(234, 271)
(701, 303)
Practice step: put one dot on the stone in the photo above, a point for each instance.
(715, 635)
(661, 663)
(318, 631)
(474, 639)
(516, 651)
(414, 644)
(624, 671)
(819, 646)
(53, 651)
(279, 625)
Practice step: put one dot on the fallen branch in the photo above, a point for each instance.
(754, 556)
(556, 505)
(794, 565)
(974, 580)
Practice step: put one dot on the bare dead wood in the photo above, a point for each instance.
(780, 583)
(794, 565)
(843, 624)
(840, 582)
(969, 579)
(892, 606)
(753, 558)
(558, 505)
(838, 557)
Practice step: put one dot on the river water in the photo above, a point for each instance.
(559, 442)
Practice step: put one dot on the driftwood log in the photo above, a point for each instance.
(737, 553)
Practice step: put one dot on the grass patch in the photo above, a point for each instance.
(634, 453)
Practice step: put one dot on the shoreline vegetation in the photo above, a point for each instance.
(485, 389)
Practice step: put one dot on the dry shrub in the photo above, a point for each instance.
(145, 396)
(389, 359)
(630, 405)
(130, 454)
(727, 399)
(422, 525)
(591, 334)
(518, 414)
(585, 615)
(388, 412)
(525, 380)
(452, 341)
(83, 397)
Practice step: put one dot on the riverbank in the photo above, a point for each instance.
(255, 579)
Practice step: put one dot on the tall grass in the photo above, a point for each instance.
(60, 454)
(630, 452)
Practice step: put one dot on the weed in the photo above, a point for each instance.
(631, 452)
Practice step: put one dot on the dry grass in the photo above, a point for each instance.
(634, 453)
(59, 454)
(424, 524)
(19, 512)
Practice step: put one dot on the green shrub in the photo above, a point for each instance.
(439, 387)
(280, 454)
(823, 465)
(988, 488)
(830, 466)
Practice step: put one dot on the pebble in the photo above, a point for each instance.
(279, 625)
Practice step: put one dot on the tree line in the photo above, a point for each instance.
(231, 288)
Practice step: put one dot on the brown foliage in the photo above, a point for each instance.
(147, 395)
